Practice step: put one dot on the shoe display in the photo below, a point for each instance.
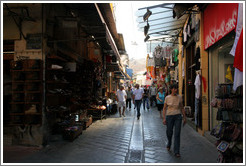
(56, 67)
(32, 110)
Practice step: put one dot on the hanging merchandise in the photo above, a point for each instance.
(167, 79)
(148, 76)
(229, 75)
(237, 49)
(185, 34)
(193, 21)
(162, 73)
(183, 71)
(163, 62)
(168, 51)
(150, 67)
(197, 31)
(175, 57)
(197, 59)
(197, 99)
(229, 132)
(158, 55)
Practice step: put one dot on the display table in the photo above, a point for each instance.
(97, 113)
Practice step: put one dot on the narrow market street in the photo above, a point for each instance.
(70, 68)
(126, 140)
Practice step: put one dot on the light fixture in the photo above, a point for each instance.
(146, 29)
(147, 14)
(146, 38)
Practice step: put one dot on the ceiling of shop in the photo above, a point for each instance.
(90, 22)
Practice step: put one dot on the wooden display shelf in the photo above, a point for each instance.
(57, 94)
(18, 91)
(55, 57)
(57, 82)
(14, 114)
(100, 116)
(31, 81)
(17, 70)
(16, 81)
(33, 91)
(32, 70)
(21, 102)
(35, 113)
(32, 102)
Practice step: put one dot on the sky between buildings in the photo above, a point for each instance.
(125, 13)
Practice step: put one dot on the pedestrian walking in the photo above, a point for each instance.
(137, 98)
(133, 89)
(153, 92)
(172, 110)
(146, 98)
(160, 100)
(121, 99)
(129, 98)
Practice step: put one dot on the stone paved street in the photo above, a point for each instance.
(126, 140)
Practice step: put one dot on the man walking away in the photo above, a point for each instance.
(153, 93)
(121, 99)
(137, 98)
(146, 97)
(129, 98)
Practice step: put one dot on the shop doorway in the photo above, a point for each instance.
(190, 78)
(8, 56)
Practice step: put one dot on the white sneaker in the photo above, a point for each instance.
(56, 67)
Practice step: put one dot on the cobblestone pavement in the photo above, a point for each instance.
(126, 140)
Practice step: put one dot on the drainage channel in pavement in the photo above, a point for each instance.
(135, 152)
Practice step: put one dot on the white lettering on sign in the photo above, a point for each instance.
(216, 34)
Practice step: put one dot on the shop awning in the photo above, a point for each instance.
(109, 36)
(162, 25)
(165, 21)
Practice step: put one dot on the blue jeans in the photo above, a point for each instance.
(146, 99)
(174, 121)
(196, 110)
(128, 101)
(153, 99)
(138, 105)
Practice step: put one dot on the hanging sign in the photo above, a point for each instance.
(219, 20)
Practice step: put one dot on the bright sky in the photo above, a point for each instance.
(125, 13)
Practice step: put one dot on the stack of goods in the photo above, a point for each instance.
(229, 131)
(70, 133)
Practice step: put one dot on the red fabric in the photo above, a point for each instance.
(238, 60)
(204, 84)
(219, 20)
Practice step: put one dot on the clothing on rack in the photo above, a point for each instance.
(197, 59)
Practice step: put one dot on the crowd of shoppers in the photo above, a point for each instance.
(168, 103)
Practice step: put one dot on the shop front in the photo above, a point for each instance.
(221, 29)
(56, 61)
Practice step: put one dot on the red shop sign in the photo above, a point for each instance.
(219, 20)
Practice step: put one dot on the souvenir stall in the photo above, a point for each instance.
(162, 66)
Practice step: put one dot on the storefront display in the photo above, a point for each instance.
(26, 104)
(229, 131)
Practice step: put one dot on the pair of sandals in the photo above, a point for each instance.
(176, 154)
